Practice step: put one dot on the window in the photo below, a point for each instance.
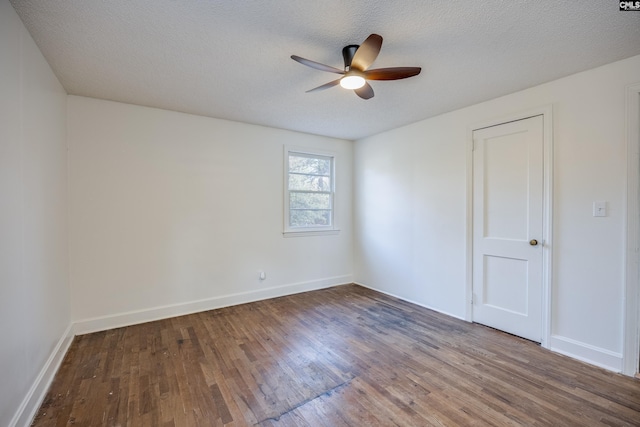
(309, 191)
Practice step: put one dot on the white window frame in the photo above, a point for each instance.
(290, 231)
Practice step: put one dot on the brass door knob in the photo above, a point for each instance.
(533, 242)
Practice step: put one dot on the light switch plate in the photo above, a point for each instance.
(599, 208)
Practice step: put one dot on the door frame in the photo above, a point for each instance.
(547, 216)
(631, 345)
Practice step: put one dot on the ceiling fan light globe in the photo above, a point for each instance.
(352, 82)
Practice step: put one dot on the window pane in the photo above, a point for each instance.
(309, 187)
(310, 165)
(309, 201)
(305, 218)
(309, 182)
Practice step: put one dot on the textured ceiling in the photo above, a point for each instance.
(230, 59)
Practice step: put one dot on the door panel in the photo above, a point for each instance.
(497, 284)
(507, 216)
(505, 200)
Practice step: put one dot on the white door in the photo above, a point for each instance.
(507, 227)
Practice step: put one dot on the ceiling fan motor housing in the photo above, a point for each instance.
(347, 54)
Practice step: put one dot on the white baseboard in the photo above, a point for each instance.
(27, 410)
(411, 301)
(587, 353)
(156, 313)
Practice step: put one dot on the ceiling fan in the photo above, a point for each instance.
(357, 60)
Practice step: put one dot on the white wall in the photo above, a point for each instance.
(411, 198)
(34, 292)
(172, 213)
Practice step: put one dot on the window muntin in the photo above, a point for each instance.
(309, 191)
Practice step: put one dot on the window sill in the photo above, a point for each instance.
(310, 233)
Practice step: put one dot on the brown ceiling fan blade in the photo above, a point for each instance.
(325, 86)
(365, 92)
(316, 65)
(367, 52)
(394, 73)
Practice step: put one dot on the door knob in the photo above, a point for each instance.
(533, 242)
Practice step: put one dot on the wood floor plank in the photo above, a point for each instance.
(344, 356)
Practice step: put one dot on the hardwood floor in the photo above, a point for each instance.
(345, 356)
